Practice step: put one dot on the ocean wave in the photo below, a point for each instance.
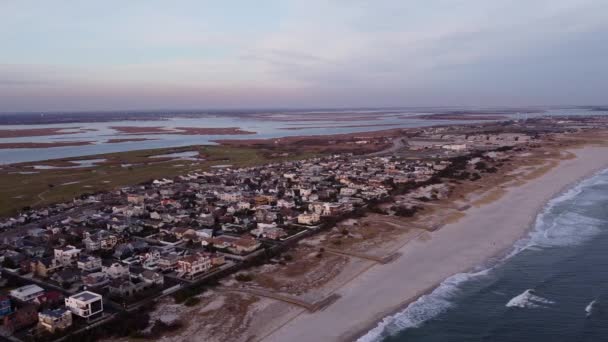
(528, 300)
(589, 308)
(423, 309)
(551, 229)
(555, 228)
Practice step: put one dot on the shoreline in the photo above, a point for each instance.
(465, 243)
(491, 262)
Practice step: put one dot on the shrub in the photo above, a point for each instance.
(406, 212)
(475, 176)
(243, 277)
(162, 327)
(481, 166)
(192, 301)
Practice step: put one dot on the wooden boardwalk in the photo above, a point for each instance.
(310, 306)
(381, 260)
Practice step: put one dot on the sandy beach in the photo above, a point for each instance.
(482, 233)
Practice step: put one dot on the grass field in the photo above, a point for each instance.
(20, 189)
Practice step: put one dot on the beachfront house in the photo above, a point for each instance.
(85, 304)
(54, 320)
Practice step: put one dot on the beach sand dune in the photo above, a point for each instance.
(484, 232)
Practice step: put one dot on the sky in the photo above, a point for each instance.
(152, 54)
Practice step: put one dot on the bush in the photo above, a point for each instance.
(162, 327)
(184, 294)
(243, 277)
(192, 301)
(481, 166)
(406, 212)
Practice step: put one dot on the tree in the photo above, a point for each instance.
(9, 263)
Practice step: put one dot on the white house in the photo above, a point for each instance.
(89, 263)
(116, 270)
(85, 304)
(455, 147)
(348, 191)
(67, 255)
(27, 293)
(309, 219)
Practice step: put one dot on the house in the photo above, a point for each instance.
(66, 277)
(116, 270)
(67, 255)
(85, 304)
(348, 191)
(282, 203)
(455, 147)
(125, 287)
(265, 215)
(88, 263)
(204, 233)
(21, 318)
(95, 280)
(92, 243)
(168, 262)
(152, 278)
(234, 228)
(242, 205)
(206, 220)
(135, 199)
(268, 231)
(123, 251)
(335, 209)
(309, 218)
(180, 232)
(43, 268)
(54, 320)
(49, 299)
(230, 196)
(34, 251)
(27, 293)
(103, 240)
(234, 244)
(149, 260)
(5, 306)
(192, 265)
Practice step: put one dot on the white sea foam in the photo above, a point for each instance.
(423, 309)
(563, 229)
(528, 300)
(553, 228)
(589, 308)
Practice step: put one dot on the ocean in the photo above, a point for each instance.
(553, 286)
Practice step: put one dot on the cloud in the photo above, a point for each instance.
(315, 52)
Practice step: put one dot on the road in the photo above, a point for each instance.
(398, 143)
